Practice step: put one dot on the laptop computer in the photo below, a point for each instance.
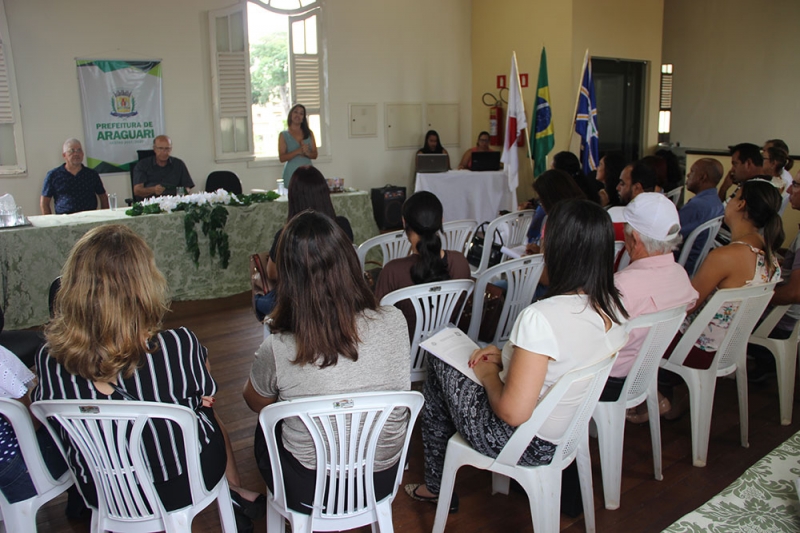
(485, 161)
(429, 163)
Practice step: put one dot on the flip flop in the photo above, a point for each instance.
(411, 490)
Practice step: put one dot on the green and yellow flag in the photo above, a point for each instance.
(543, 140)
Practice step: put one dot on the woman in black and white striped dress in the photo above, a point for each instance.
(104, 343)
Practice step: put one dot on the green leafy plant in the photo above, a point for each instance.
(212, 219)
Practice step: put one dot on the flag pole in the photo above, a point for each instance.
(578, 97)
(527, 126)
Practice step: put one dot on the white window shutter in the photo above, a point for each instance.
(6, 109)
(305, 61)
(230, 83)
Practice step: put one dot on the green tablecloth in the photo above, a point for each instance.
(31, 257)
(764, 498)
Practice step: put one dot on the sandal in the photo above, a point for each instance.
(411, 490)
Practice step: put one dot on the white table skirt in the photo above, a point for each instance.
(469, 195)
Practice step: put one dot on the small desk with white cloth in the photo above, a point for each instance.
(469, 195)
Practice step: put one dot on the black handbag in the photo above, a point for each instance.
(475, 251)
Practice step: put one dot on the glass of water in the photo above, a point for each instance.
(112, 201)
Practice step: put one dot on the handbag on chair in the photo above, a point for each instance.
(475, 251)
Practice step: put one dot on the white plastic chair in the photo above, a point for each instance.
(729, 358)
(640, 385)
(21, 516)
(522, 276)
(393, 245)
(435, 305)
(785, 353)
(674, 195)
(456, 235)
(513, 227)
(581, 388)
(347, 457)
(108, 436)
(712, 227)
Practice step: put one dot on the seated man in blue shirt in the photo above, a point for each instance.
(160, 174)
(702, 180)
(72, 186)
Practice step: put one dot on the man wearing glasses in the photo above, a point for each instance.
(160, 174)
(72, 186)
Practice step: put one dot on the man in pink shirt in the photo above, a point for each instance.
(653, 281)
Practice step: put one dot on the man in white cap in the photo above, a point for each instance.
(653, 281)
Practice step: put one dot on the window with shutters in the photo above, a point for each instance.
(285, 65)
(12, 150)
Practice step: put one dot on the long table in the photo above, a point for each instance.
(764, 498)
(469, 195)
(31, 257)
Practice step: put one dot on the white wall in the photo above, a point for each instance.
(379, 51)
(736, 70)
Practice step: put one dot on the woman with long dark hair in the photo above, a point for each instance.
(576, 324)
(481, 146)
(569, 163)
(608, 172)
(552, 186)
(307, 190)
(296, 144)
(428, 262)
(432, 145)
(328, 337)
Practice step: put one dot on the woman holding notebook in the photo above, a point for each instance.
(577, 323)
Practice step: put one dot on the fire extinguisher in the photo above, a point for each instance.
(496, 123)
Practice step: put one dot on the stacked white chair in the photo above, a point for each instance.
(435, 305)
(522, 276)
(711, 228)
(730, 358)
(21, 516)
(785, 353)
(581, 388)
(108, 435)
(640, 385)
(346, 457)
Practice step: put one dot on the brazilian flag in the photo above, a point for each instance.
(543, 140)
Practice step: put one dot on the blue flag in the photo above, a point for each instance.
(586, 121)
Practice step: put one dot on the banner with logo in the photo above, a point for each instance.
(123, 110)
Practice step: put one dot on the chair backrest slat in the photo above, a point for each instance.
(346, 430)
(435, 305)
(709, 228)
(522, 276)
(393, 246)
(662, 327)
(456, 235)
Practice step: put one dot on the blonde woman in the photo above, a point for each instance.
(105, 343)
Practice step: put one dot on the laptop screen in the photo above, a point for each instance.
(485, 161)
(432, 163)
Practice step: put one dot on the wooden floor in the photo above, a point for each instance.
(230, 332)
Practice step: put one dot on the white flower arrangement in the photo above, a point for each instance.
(167, 204)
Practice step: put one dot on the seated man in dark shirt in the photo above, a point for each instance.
(160, 174)
(72, 186)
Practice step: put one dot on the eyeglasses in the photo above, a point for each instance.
(795, 184)
(74, 151)
(163, 148)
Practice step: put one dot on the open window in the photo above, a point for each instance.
(12, 149)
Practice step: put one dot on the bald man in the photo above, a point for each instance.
(161, 173)
(702, 180)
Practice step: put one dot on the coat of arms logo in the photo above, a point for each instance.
(123, 104)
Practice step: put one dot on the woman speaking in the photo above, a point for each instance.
(296, 144)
